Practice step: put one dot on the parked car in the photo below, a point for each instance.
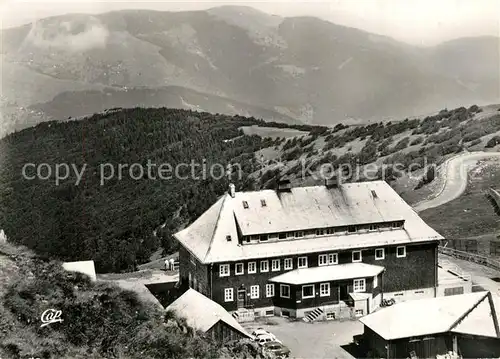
(277, 349)
(259, 331)
(266, 338)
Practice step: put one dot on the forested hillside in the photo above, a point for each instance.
(113, 223)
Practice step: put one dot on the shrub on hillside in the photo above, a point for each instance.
(429, 176)
(290, 144)
(402, 144)
(474, 108)
(99, 321)
(318, 131)
(442, 136)
(387, 173)
(304, 142)
(368, 153)
(385, 144)
(416, 141)
(293, 154)
(492, 142)
(475, 143)
(473, 136)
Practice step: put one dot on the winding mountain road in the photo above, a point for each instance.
(454, 174)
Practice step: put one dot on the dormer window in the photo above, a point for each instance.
(228, 238)
(340, 229)
(299, 234)
(373, 227)
(352, 229)
(397, 224)
(263, 203)
(374, 194)
(245, 204)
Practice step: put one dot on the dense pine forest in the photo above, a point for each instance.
(114, 223)
(120, 221)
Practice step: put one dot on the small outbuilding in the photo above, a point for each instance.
(465, 324)
(205, 315)
(84, 267)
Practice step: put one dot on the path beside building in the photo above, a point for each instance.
(481, 277)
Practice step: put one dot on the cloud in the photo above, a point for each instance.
(74, 35)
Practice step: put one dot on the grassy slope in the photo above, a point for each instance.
(438, 135)
(432, 132)
(472, 214)
(272, 132)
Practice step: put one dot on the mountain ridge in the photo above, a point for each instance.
(303, 68)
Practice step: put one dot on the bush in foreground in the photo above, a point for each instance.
(99, 321)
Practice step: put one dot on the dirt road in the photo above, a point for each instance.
(454, 181)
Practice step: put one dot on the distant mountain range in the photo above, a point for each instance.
(234, 60)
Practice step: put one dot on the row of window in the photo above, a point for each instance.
(264, 266)
(254, 292)
(323, 260)
(323, 231)
(308, 291)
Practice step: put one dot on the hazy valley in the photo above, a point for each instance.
(235, 60)
(234, 100)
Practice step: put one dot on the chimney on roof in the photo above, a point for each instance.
(232, 190)
(284, 185)
(332, 182)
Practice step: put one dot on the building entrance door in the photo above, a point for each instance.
(242, 294)
(343, 293)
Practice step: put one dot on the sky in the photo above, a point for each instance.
(419, 22)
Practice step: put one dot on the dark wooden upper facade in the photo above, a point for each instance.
(411, 267)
